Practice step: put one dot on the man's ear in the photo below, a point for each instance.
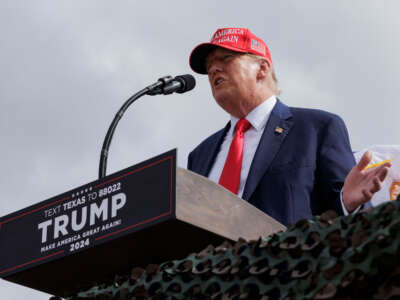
(264, 69)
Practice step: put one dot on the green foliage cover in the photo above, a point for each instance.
(352, 257)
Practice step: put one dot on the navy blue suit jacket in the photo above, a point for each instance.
(294, 174)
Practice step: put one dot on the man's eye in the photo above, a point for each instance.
(227, 57)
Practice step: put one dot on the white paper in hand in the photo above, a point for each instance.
(391, 185)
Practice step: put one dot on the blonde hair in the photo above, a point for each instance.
(275, 84)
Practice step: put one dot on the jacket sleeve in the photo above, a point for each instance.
(335, 160)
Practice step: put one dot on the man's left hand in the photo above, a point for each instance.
(361, 184)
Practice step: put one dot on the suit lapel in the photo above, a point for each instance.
(213, 148)
(269, 145)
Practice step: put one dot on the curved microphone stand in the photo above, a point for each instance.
(107, 140)
(165, 85)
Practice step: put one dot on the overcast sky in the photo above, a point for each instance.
(67, 66)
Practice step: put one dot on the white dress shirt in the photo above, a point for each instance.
(258, 118)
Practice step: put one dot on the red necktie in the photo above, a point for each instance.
(230, 176)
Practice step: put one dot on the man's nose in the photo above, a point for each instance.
(214, 68)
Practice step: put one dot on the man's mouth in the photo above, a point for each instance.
(218, 81)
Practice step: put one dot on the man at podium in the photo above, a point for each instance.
(289, 162)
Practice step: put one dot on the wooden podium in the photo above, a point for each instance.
(149, 213)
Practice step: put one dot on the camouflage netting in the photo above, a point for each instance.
(354, 257)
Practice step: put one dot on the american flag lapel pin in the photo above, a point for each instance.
(278, 130)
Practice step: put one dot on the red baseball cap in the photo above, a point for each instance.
(235, 39)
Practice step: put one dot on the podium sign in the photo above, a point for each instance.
(149, 213)
(87, 217)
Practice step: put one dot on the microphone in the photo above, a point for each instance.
(165, 85)
(168, 85)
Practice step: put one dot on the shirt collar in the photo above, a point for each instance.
(259, 116)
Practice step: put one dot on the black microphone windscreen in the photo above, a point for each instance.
(188, 83)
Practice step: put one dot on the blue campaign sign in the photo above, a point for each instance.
(91, 215)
